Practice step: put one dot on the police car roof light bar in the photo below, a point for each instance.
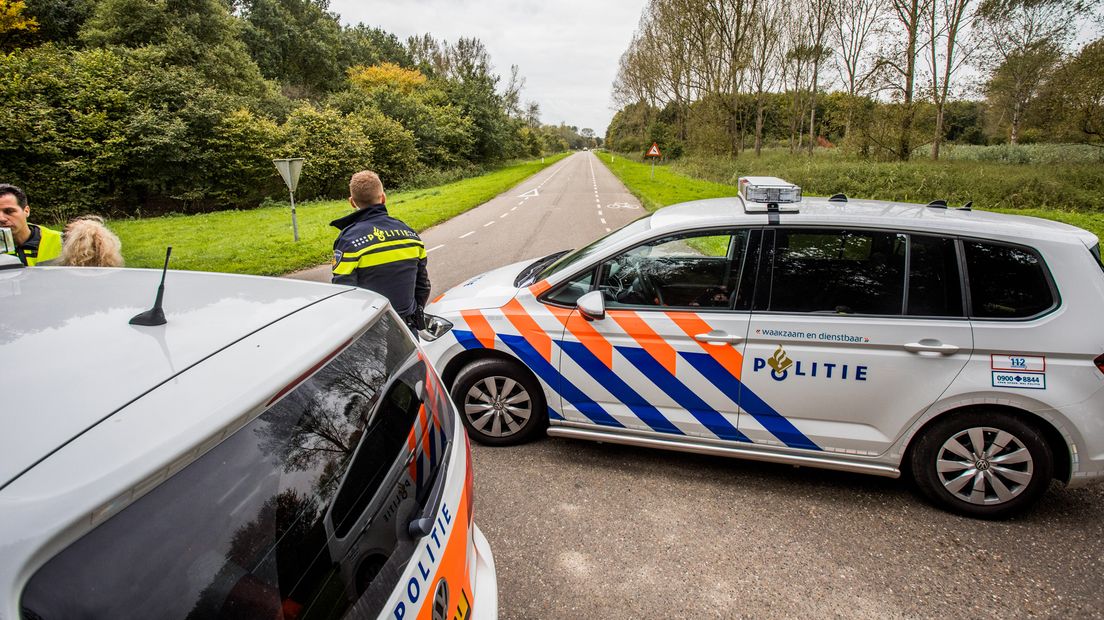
(768, 194)
(155, 315)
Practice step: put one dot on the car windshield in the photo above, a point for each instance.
(578, 256)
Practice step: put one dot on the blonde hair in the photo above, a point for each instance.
(366, 189)
(88, 243)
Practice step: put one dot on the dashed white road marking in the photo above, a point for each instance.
(488, 223)
(467, 234)
(603, 220)
(503, 215)
(436, 247)
(607, 229)
(514, 209)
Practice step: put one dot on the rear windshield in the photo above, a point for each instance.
(297, 515)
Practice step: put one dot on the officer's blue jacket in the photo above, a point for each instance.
(378, 252)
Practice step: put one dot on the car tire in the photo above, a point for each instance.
(982, 464)
(500, 402)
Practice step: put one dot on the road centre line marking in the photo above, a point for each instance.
(603, 220)
(467, 234)
(436, 247)
(514, 209)
(488, 223)
(599, 212)
(503, 215)
(607, 229)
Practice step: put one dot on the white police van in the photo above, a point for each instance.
(277, 449)
(963, 347)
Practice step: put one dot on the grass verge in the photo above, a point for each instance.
(259, 241)
(699, 178)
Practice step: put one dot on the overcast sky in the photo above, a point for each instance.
(567, 50)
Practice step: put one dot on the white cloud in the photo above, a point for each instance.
(567, 50)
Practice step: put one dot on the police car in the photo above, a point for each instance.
(961, 347)
(276, 449)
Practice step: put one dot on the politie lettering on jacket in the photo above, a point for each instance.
(418, 584)
(780, 365)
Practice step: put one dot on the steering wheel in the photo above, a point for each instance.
(648, 289)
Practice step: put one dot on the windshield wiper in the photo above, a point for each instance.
(524, 278)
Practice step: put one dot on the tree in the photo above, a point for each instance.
(855, 23)
(947, 19)
(14, 21)
(1080, 88)
(298, 43)
(1023, 41)
(199, 34)
(764, 61)
(910, 20)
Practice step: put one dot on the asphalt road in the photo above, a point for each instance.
(586, 530)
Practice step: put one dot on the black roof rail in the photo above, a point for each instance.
(937, 204)
(838, 198)
(967, 206)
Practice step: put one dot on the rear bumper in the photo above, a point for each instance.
(484, 580)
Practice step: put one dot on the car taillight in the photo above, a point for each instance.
(1099, 361)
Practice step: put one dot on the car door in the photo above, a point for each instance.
(854, 333)
(666, 357)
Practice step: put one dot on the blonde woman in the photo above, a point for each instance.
(88, 243)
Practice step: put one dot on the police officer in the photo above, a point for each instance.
(378, 252)
(33, 243)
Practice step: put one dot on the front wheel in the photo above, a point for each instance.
(500, 402)
(983, 464)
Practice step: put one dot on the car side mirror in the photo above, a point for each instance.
(592, 306)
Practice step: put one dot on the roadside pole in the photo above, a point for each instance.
(289, 170)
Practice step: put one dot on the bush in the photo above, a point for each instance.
(394, 154)
(334, 148)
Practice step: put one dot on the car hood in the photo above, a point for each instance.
(491, 289)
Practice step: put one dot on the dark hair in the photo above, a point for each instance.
(20, 195)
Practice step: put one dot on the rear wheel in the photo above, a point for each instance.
(984, 464)
(500, 402)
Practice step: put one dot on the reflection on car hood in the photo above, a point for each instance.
(491, 289)
(70, 359)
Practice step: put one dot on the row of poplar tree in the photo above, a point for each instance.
(886, 77)
(134, 107)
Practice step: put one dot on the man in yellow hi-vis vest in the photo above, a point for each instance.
(378, 252)
(33, 243)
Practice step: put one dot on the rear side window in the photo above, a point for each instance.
(294, 515)
(1096, 254)
(836, 272)
(1006, 281)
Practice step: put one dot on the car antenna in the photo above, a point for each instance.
(155, 315)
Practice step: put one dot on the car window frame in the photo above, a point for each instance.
(596, 268)
(1055, 293)
(765, 281)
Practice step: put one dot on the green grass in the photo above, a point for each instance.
(1073, 193)
(259, 241)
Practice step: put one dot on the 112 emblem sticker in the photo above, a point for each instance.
(1025, 372)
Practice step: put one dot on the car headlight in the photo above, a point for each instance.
(435, 328)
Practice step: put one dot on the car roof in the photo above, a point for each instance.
(71, 359)
(873, 213)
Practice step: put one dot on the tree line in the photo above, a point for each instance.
(884, 78)
(134, 107)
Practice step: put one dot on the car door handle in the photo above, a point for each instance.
(719, 337)
(931, 346)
